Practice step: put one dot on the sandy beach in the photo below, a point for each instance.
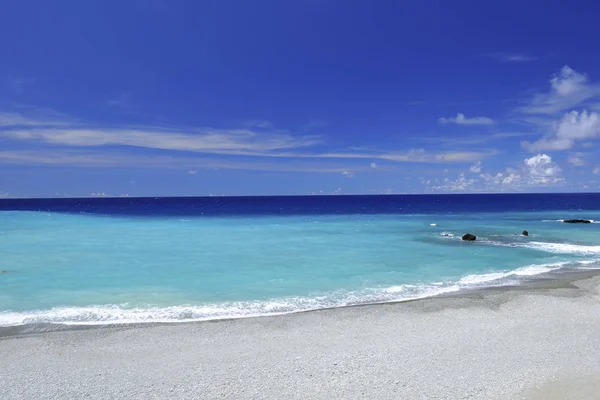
(520, 343)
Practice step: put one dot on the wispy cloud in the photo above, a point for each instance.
(460, 119)
(315, 125)
(259, 124)
(123, 102)
(476, 168)
(19, 85)
(511, 57)
(502, 135)
(95, 159)
(13, 120)
(214, 141)
(576, 159)
(160, 7)
(263, 142)
(568, 89)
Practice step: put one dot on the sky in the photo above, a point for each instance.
(270, 97)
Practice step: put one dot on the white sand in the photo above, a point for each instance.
(492, 345)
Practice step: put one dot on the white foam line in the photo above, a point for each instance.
(530, 270)
(564, 248)
(122, 314)
(557, 248)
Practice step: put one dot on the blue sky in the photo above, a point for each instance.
(174, 97)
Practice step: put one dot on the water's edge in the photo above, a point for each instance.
(543, 283)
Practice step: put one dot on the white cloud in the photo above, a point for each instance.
(460, 119)
(572, 127)
(460, 184)
(519, 58)
(511, 57)
(15, 120)
(537, 171)
(476, 168)
(102, 194)
(101, 159)
(18, 85)
(578, 126)
(509, 179)
(596, 170)
(124, 102)
(541, 170)
(576, 160)
(568, 88)
(241, 141)
(373, 165)
(348, 174)
(59, 130)
(260, 124)
(192, 172)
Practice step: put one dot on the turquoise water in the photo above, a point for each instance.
(78, 268)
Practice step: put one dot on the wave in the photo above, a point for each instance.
(564, 248)
(557, 248)
(125, 314)
(529, 270)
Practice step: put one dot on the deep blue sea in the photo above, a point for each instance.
(130, 260)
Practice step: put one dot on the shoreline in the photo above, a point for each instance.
(496, 343)
(557, 279)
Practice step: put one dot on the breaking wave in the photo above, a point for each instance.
(125, 314)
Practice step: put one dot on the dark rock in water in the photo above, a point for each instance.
(3, 271)
(525, 233)
(577, 221)
(469, 237)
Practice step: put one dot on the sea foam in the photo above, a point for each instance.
(563, 248)
(124, 314)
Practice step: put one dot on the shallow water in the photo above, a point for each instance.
(162, 260)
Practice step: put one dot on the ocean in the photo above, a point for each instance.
(132, 260)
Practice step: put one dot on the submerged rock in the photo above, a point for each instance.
(577, 221)
(469, 237)
(3, 271)
(525, 233)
